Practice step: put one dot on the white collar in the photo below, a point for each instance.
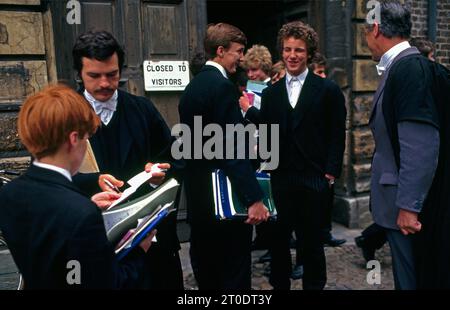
(218, 66)
(301, 77)
(267, 80)
(388, 57)
(60, 170)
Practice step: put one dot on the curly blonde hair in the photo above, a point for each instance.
(299, 30)
(258, 56)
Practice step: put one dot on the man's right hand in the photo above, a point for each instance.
(244, 102)
(111, 179)
(147, 241)
(257, 213)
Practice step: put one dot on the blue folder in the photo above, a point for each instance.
(141, 235)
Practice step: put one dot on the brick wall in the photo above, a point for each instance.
(443, 33)
(419, 11)
(419, 16)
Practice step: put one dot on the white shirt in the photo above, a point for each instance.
(218, 66)
(388, 57)
(60, 170)
(294, 86)
(105, 110)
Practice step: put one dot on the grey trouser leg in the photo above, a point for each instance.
(403, 265)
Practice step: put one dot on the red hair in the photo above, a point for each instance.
(47, 118)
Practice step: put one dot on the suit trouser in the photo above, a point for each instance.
(403, 263)
(163, 263)
(299, 208)
(221, 251)
(327, 216)
(164, 271)
(326, 224)
(374, 236)
(264, 235)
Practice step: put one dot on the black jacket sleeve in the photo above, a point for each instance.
(253, 115)
(337, 117)
(99, 266)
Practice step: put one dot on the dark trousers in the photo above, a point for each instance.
(300, 209)
(403, 260)
(326, 226)
(264, 235)
(222, 255)
(164, 271)
(327, 215)
(374, 236)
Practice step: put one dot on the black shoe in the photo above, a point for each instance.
(297, 272)
(368, 252)
(331, 241)
(265, 258)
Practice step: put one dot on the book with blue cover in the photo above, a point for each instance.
(226, 202)
(127, 224)
(256, 87)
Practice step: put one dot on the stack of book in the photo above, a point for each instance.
(226, 202)
(128, 223)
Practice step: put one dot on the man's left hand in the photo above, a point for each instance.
(157, 177)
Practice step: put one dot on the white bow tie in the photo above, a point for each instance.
(105, 110)
(99, 107)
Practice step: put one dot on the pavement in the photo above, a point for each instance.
(346, 268)
(8, 272)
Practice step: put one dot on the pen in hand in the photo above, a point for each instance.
(111, 186)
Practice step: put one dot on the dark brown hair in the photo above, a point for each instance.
(299, 30)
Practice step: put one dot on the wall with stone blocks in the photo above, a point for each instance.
(24, 65)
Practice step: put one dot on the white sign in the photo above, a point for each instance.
(166, 75)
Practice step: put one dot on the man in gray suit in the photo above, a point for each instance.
(405, 127)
